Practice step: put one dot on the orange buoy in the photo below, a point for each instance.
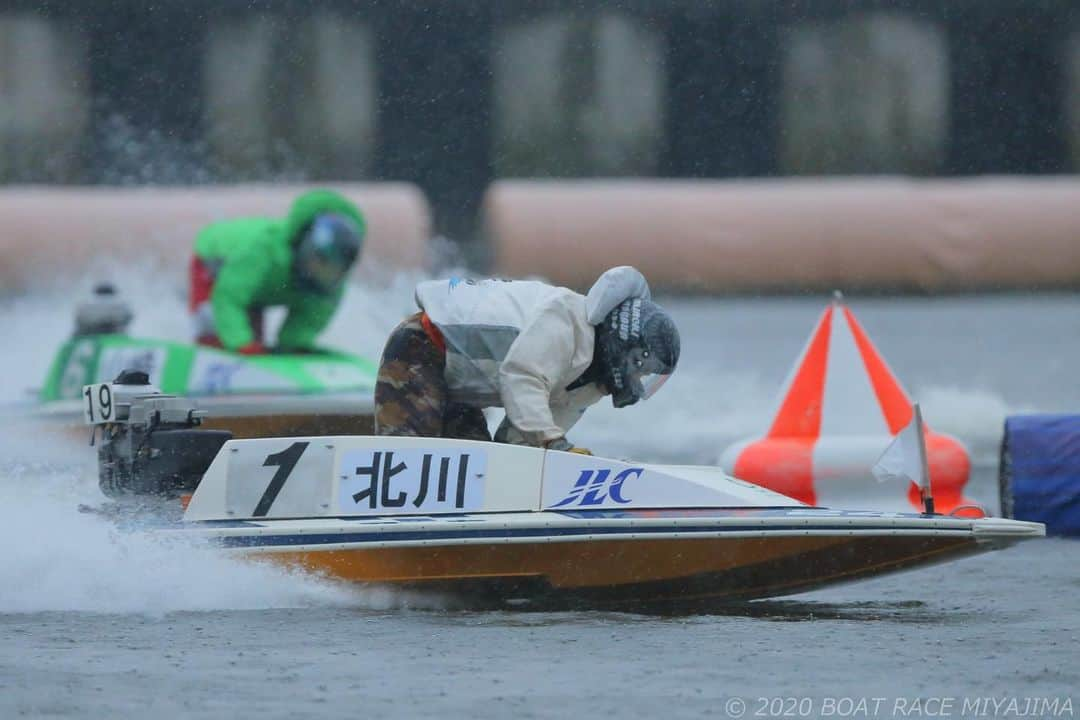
(839, 409)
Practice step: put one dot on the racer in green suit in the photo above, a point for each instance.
(245, 265)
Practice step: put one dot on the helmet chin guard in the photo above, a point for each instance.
(638, 345)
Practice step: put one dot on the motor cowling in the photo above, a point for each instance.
(155, 446)
(105, 312)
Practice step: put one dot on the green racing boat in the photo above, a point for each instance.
(319, 393)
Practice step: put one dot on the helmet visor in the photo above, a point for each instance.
(323, 272)
(651, 384)
(645, 374)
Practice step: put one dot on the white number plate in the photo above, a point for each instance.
(402, 482)
(279, 478)
(98, 404)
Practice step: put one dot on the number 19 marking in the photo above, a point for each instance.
(101, 400)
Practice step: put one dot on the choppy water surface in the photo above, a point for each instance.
(96, 623)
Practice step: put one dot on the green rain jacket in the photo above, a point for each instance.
(253, 258)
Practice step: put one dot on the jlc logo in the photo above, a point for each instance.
(593, 487)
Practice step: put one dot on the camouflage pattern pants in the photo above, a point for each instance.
(411, 396)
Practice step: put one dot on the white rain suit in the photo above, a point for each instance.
(519, 344)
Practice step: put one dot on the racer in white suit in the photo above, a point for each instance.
(543, 353)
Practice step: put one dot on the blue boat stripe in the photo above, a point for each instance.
(281, 540)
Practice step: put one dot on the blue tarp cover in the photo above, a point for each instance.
(1041, 470)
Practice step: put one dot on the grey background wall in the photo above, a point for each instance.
(454, 94)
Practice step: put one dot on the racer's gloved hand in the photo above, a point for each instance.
(252, 348)
(564, 445)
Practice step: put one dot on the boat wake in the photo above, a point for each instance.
(63, 560)
(60, 559)
(976, 415)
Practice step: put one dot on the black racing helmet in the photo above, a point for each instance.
(326, 251)
(638, 349)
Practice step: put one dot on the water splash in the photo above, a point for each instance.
(698, 413)
(974, 413)
(60, 559)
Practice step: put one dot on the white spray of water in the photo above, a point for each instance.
(697, 414)
(61, 559)
(974, 413)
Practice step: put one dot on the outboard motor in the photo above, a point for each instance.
(104, 313)
(153, 446)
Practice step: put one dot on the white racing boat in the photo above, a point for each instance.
(499, 522)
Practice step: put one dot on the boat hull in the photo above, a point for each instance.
(635, 559)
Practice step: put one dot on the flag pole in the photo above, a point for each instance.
(924, 487)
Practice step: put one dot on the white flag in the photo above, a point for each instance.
(904, 460)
